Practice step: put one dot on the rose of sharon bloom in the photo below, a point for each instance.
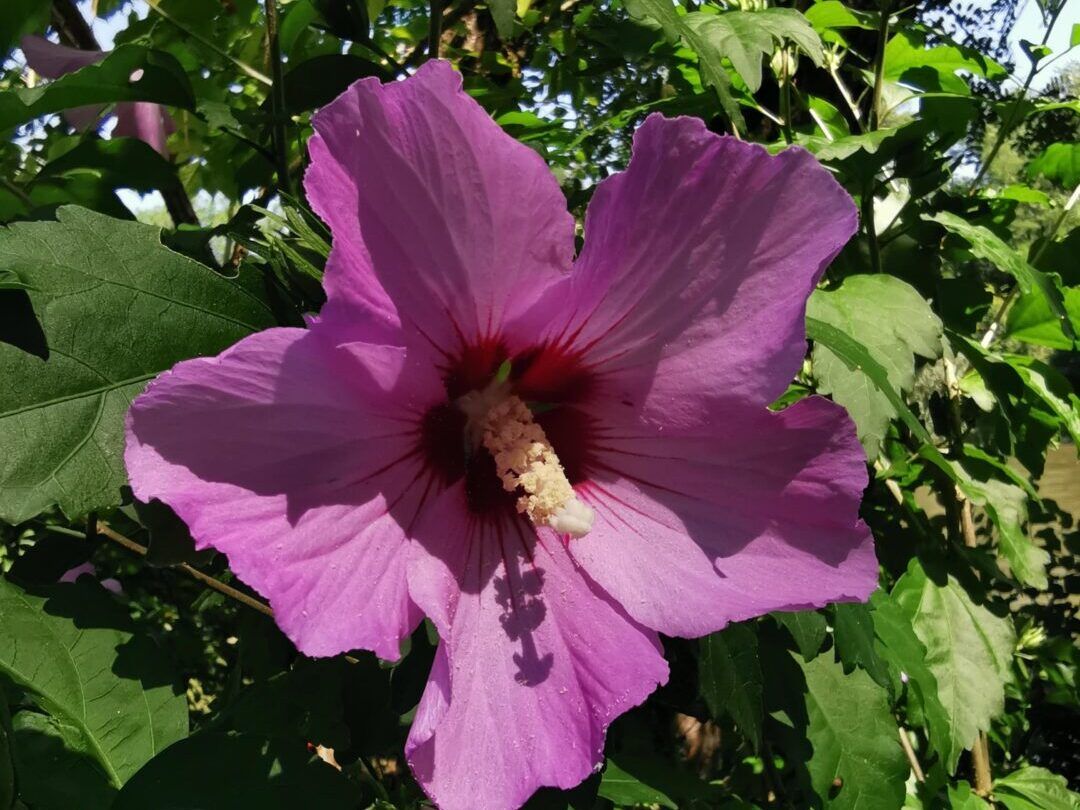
(134, 119)
(552, 459)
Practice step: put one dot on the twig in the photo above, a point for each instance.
(980, 757)
(226, 590)
(909, 752)
(435, 28)
(72, 27)
(1009, 121)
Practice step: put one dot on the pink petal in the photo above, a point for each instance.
(146, 121)
(429, 200)
(535, 662)
(53, 61)
(297, 459)
(754, 513)
(697, 264)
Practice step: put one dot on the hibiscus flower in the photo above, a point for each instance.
(554, 460)
(134, 119)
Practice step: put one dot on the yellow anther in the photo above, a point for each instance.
(525, 460)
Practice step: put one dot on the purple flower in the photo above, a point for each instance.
(134, 119)
(553, 465)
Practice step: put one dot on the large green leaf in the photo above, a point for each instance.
(1006, 506)
(909, 60)
(987, 245)
(107, 691)
(633, 780)
(906, 658)
(1034, 788)
(1059, 163)
(855, 739)
(129, 73)
(117, 308)
(894, 323)
(1033, 321)
(53, 770)
(215, 771)
(1053, 388)
(729, 674)
(968, 649)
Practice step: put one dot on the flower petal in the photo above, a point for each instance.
(146, 121)
(430, 200)
(534, 664)
(757, 513)
(297, 459)
(701, 255)
(52, 60)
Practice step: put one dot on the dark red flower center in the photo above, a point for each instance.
(549, 379)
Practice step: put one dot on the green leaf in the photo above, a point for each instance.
(171, 542)
(129, 73)
(1034, 788)
(808, 628)
(1032, 320)
(21, 17)
(215, 771)
(741, 37)
(1052, 387)
(745, 37)
(906, 657)
(632, 780)
(908, 60)
(968, 649)
(855, 739)
(1059, 163)
(109, 694)
(729, 674)
(117, 308)
(317, 81)
(986, 245)
(853, 630)
(7, 767)
(962, 797)
(121, 162)
(829, 15)
(893, 323)
(1074, 35)
(503, 12)
(624, 789)
(53, 771)
(1006, 506)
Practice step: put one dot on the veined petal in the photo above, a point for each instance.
(757, 513)
(697, 264)
(297, 458)
(439, 216)
(535, 660)
(146, 121)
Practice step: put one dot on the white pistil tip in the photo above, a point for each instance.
(575, 518)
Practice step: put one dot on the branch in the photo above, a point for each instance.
(106, 530)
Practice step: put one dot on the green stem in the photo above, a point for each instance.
(277, 97)
(879, 68)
